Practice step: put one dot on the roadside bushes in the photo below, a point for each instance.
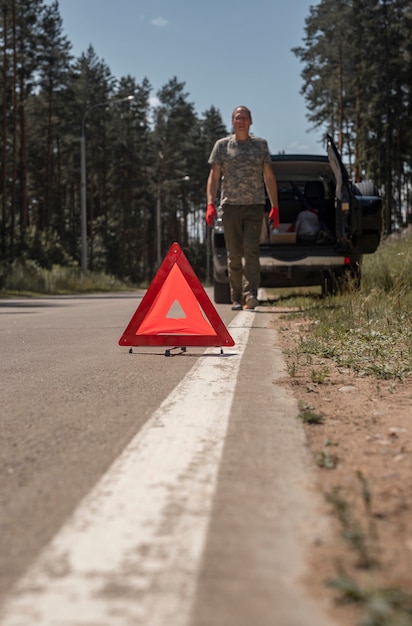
(27, 277)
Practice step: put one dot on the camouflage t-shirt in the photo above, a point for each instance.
(242, 169)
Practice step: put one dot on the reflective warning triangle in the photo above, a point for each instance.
(176, 310)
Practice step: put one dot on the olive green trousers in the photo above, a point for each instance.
(242, 226)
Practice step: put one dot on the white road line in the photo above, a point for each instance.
(131, 552)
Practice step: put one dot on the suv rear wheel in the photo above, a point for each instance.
(221, 292)
(343, 281)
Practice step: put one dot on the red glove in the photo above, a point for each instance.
(211, 214)
(274, 217)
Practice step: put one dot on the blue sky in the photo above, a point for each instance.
(227, 52)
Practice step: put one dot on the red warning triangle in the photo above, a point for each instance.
(176, 310)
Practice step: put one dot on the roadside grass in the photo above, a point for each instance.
(29, 279)
(368, 331)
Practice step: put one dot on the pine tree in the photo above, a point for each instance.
(174, 140)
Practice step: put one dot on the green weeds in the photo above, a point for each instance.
(307, 415)
(380, 606)
(362, 538)
(326, 459)
(319, 376)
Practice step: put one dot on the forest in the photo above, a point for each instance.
(142, 161)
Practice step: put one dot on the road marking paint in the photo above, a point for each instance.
(131, 552)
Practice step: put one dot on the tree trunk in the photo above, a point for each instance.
(4, 138)
(14, 141)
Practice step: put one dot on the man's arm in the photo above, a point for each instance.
(271, 185)
(213, 183)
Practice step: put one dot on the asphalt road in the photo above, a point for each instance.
(209, 442)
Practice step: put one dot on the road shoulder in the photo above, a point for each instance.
(267, 511)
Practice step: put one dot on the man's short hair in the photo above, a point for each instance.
(242, 108)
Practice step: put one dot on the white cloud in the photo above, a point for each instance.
(159, 21)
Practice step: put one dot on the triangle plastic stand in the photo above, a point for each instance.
(176, 310)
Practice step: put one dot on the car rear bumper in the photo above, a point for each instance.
(298, 269)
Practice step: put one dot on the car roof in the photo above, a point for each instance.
(299, 157)
(301, 167)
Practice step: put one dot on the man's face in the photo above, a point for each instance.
(241, 121)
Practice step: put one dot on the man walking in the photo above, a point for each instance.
(242, 164)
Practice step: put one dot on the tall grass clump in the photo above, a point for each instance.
(370, 330)
(389, 269)
(27, 277)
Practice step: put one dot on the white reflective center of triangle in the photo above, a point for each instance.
(176, 311)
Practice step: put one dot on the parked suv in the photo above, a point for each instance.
(349, 225)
